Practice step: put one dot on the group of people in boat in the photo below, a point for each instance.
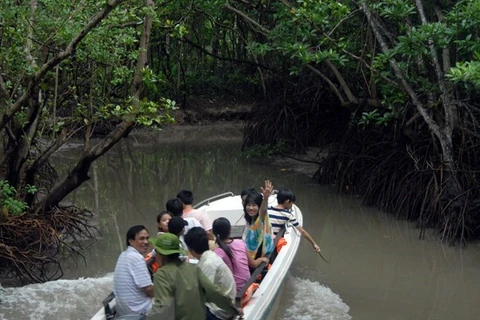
(207, 289)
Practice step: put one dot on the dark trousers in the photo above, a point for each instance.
(211, 316)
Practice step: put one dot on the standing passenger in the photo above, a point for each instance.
(183, 286)
(132, 284)
(282, 213)
(214, 268)
(186, 196)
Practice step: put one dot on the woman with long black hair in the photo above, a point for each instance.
(234, 252)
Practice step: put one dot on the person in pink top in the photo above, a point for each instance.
(186, 196)
(234, 253)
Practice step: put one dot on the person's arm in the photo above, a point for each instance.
(266, 192)
(214, 295)
(162, 288)
(208, 271)
(148, 290)
(163, 306)
(255, 263)
(141, 277)
(307, 236)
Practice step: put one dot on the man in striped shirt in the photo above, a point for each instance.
(281, 214)
(132, 283)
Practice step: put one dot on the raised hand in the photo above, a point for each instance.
(267, 190)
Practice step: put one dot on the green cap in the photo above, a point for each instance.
(167, 244)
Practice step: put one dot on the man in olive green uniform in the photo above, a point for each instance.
(181, 288)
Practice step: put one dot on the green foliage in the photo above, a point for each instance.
(466, 72)
(266, 150)
(374, 117)
(394, 9)
(7, 198)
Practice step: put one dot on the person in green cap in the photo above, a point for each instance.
(181, 289)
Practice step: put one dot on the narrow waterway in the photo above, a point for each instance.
(378, 269)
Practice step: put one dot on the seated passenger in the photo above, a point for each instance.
(281, 214)
(258, 236)
(214, 268)
(183, 286)
(186, 196)
(234, 253)
(175, 207)
(162, 222)
(177, 226)
(132, 284)
(245, 193)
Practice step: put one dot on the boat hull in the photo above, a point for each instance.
(265, 300)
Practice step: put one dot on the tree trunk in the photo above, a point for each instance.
(79, 174)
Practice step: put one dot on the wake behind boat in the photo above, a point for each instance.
(262, 303)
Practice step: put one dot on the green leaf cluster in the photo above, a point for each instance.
(8, 198)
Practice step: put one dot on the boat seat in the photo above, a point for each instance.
(236, 232)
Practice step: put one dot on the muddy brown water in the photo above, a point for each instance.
(378, 268)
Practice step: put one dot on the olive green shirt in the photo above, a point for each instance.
(189, 288)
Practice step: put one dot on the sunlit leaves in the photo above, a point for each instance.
(467, 72)
(121, 74)
(394, 9)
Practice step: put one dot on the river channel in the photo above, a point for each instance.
(378, 268)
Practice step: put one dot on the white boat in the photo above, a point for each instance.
(264, 300)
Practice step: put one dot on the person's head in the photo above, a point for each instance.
(245, 193)
(162, 221)
(251, 207)
(221, 228)
(167, 245)
(175, 207)
(286, 198)
(176, 225)
(186, 196)
(196, 240)
(137, 237)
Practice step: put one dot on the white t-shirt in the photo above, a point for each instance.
(218, 273)
(130, 277)
(192, 222)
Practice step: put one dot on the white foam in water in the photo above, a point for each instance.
(61, 299)
(81, 299)
(309, 300)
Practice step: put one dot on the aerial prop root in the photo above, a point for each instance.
(31, 245)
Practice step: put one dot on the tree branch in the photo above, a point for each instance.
(199, 47)
(449, 108)
(79, 174)
(254, 23)
(61, 56)
(398, 73)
